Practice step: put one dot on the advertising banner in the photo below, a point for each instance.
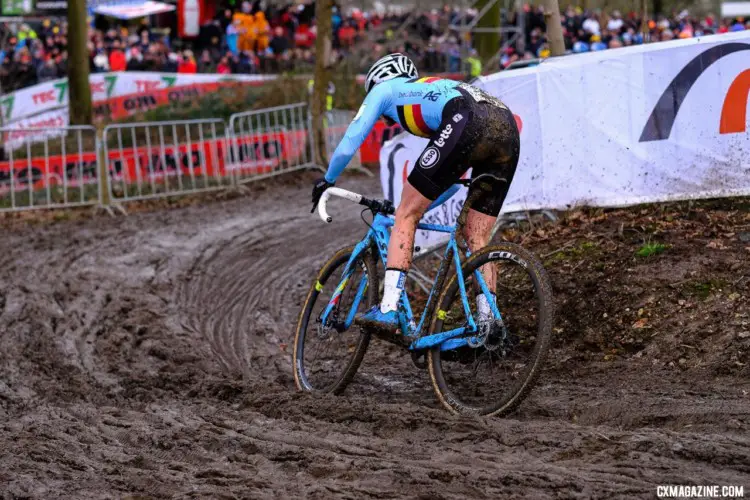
(106, 87)
(115, 95)
(251, 154)
(634, 125)
(49, 123)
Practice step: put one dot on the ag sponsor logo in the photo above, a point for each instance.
(430, 157)
(432, 96)
(457, 117)
(447, 131)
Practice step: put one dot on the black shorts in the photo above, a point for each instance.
(482, 135)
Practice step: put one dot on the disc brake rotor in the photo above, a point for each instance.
(491, 335)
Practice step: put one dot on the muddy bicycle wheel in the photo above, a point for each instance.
(493, 374)
(327, 356)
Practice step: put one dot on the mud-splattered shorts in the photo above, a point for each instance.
(478, 131)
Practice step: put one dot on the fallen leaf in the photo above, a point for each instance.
(641, 323)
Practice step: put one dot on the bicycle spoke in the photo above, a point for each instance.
(324, 352)
(493, 367)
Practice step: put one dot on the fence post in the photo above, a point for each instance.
(101, 160)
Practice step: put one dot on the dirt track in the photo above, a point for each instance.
(147, 356)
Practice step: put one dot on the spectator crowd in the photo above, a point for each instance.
(247, 40)
(585, 31)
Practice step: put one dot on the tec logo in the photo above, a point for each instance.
(432, 96)
(430, 157)
(444, 134)
(733, 112)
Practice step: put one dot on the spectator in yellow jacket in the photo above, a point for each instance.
(262, 30)
(246, 28)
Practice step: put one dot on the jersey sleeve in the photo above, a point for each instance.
(372, 108)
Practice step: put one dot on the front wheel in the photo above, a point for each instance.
(328, 353)
(493, 373)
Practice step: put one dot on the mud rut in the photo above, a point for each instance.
(149, 356)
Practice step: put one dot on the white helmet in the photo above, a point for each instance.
(389, 67)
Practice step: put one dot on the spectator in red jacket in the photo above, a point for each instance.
(188, 64)
(117, 60)
(224, 68)
(303, 38)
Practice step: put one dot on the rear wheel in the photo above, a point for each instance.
(492, 376)
(327, 356)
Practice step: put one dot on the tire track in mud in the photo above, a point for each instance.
(143, 357)
(244, 293)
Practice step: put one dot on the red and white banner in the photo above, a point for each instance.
(106, 87)
(252, 154)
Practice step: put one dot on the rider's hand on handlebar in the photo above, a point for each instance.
(319, 188)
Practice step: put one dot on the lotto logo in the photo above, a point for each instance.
(430, 157)
(444, 135)
(457, 117)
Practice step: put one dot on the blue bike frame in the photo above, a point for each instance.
(379, 236)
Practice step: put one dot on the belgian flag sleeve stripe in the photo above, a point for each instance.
(402, 117)
(419, 120)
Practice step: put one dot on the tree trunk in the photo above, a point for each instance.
(486, 43)
(323, 14)
(78, 64)
(659, 8)
(554, 27)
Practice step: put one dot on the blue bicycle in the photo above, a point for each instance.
(479, 364)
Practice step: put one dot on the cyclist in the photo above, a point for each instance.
(466, 128)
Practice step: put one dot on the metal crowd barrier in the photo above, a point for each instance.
(49, 167)
(63, 166)
(269, 142)
(161, 159)
(336, 122)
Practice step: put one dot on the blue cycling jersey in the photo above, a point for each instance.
(416, 104)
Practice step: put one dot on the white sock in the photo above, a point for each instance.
(393, 285)
(483, 306)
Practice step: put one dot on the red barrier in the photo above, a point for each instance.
(256, 154)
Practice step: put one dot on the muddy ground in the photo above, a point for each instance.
(148, 356)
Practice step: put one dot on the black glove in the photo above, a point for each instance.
(319, 188)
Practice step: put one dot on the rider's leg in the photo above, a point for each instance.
(439, 166)
(401, 246)
(477, 233)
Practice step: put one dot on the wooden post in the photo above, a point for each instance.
(487, 43)
(78, 64)
(554, 27)
(323, 45)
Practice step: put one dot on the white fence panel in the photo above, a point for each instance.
(269, 142)
(160, 159)
(54, 167)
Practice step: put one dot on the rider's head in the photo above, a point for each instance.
(389, 67)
